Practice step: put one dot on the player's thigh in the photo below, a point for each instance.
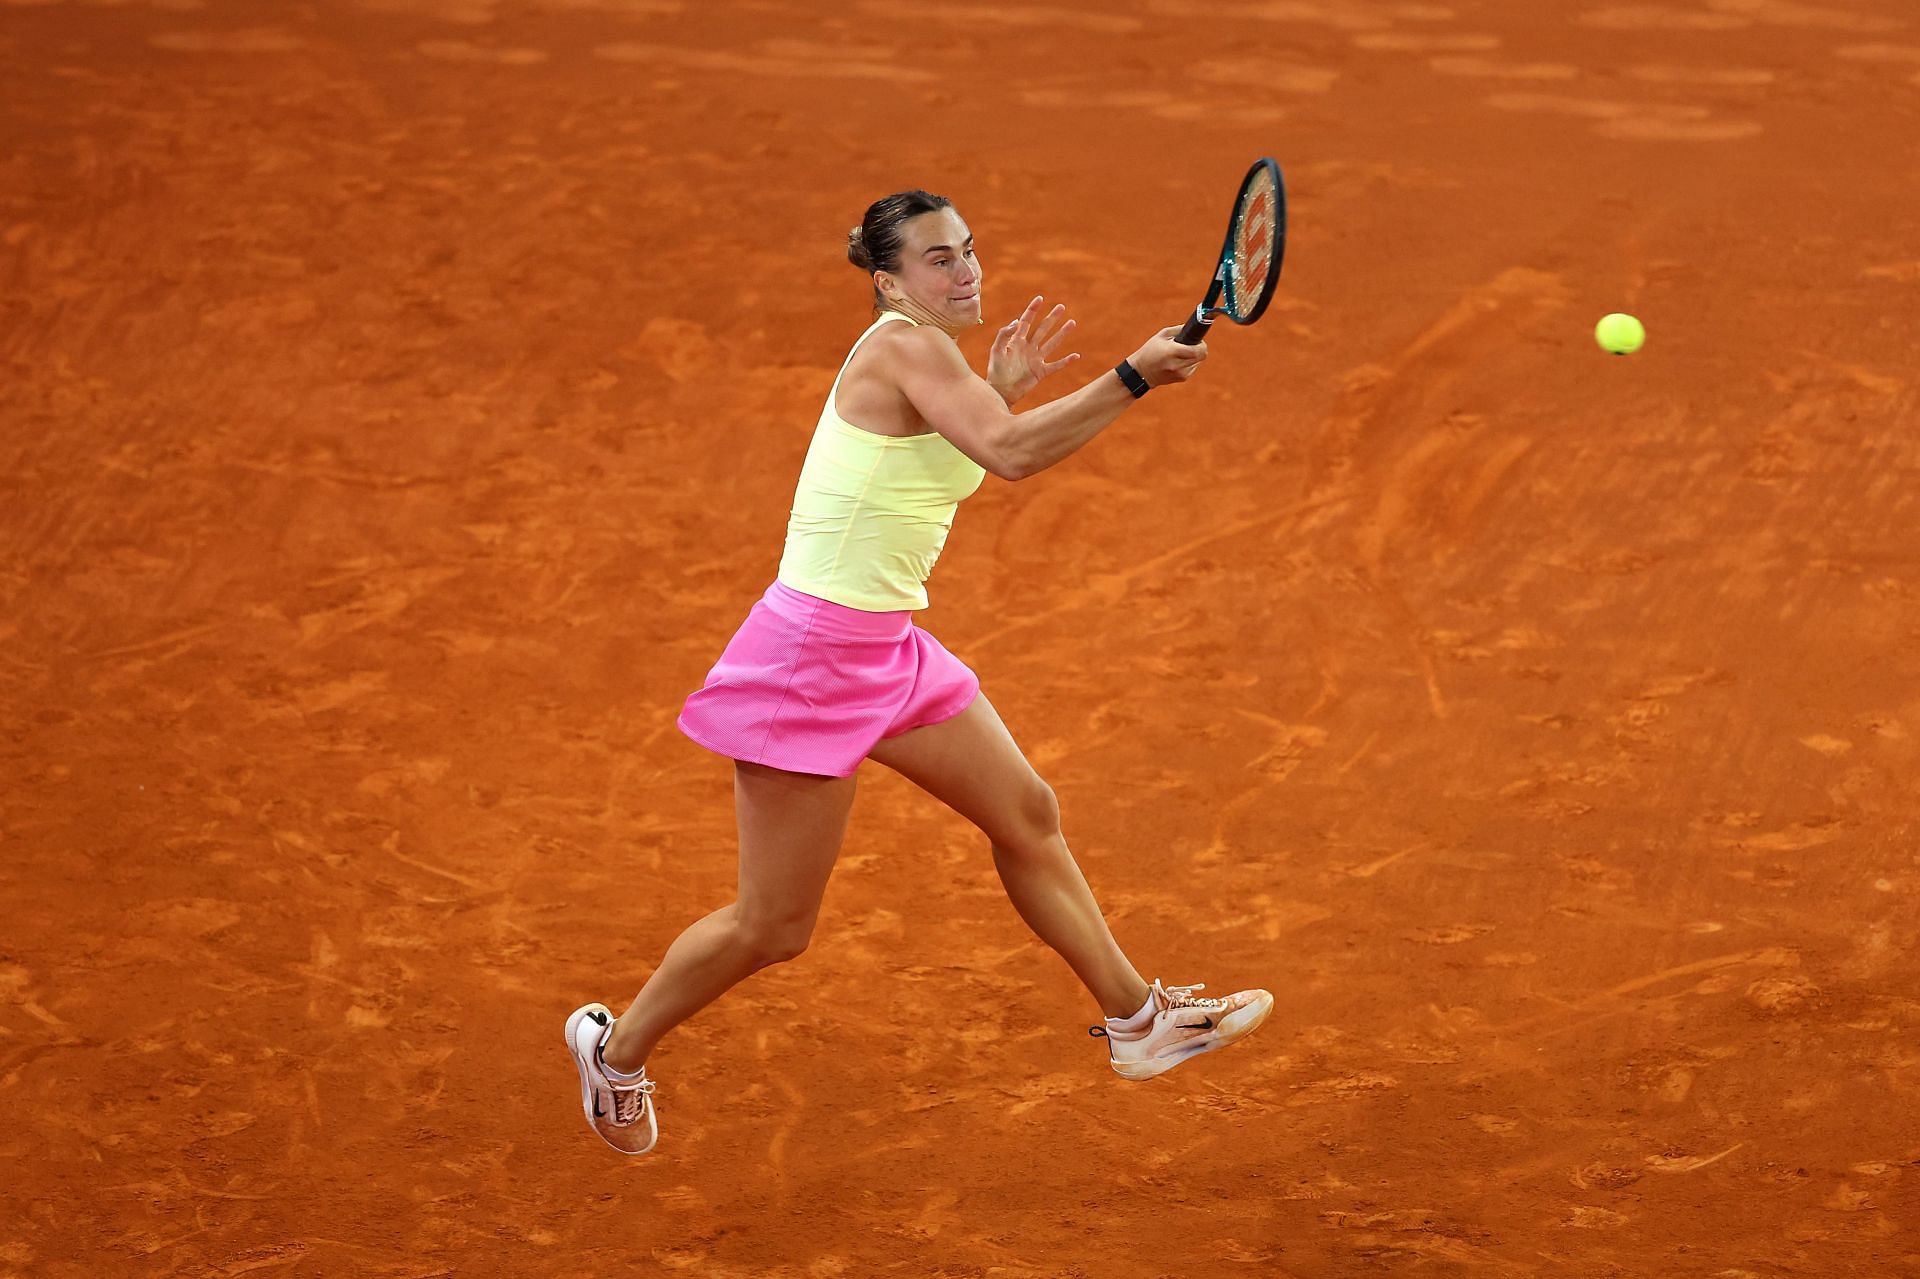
(971, 764)
(791, 828)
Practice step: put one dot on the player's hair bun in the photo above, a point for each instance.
(857, 250)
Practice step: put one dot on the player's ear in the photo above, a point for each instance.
(886, 285)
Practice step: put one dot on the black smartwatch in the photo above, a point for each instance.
(1131, 379)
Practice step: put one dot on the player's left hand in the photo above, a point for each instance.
(1022, 351)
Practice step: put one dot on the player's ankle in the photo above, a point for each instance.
(1134, 1017)
(615, 1064)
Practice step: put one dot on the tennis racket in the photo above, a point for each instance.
(1250, 260)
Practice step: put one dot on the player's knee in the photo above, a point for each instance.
(775, 941)
(1035, 820)
(1043, 809)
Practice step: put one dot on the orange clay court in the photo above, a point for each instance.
(401, 404)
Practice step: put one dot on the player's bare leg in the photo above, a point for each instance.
(791, 826)
(972, 764)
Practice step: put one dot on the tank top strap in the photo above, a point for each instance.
(833, 395)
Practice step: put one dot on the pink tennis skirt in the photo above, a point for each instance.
(811, 686)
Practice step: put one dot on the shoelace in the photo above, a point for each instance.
(1183, 997)
(629, 1099)
(1177, 997)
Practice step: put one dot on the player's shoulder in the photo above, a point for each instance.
(916, 354)
(918, 346)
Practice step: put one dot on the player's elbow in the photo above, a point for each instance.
(1009, 469)
(1010, 458)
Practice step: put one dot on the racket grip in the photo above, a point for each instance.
(1196, 327)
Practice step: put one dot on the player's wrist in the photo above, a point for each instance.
(1130, 378)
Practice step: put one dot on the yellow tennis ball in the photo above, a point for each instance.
(1620, 334)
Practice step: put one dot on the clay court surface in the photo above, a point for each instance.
(400, 407)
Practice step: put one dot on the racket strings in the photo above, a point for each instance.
(1253, 242)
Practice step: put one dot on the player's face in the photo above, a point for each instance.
(939, 273)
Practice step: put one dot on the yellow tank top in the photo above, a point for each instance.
(871, 511)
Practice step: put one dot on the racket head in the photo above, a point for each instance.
(1256, 244)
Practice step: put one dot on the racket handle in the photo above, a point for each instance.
(1195, 329)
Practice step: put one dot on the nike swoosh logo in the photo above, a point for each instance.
(1205, 1025)
(597, 1112)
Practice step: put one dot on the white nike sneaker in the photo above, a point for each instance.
(621, 1111)
(1182, 1026)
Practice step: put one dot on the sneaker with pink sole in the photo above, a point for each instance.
(619, 1109)
(1176, 1025)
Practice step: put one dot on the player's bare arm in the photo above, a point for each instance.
(959, 404)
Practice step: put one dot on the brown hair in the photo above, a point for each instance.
(874, 245)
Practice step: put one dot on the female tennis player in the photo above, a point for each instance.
(829, 669)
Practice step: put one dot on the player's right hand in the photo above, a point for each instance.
(1162, 360)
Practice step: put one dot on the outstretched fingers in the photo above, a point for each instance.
(1023, 323)
(1054, 332)
(1032, 338)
